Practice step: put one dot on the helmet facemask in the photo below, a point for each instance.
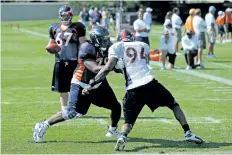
(66, 16)
(102, 42)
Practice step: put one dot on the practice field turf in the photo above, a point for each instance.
(204, 95)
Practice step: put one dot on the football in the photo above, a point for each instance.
(53, 48)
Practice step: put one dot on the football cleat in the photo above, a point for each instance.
(113, 132)
(39, 131)
(121, 143)
(191, 137)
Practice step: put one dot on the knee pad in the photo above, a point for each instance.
(70, 113)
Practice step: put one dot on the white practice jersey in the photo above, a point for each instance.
(132, 59)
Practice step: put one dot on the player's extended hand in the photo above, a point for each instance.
(86, 90)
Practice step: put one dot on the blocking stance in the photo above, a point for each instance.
(141, 86)
(102, 94)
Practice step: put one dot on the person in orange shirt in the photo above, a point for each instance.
(229, 25)
(189, 21)
(220, 24)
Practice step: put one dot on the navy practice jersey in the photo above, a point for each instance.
(67, 40)
(88, 52)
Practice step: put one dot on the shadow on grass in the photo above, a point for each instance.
(105, 117)
(157, 143)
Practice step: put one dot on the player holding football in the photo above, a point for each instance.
(102, 95)
(68, 36)
(141, 86)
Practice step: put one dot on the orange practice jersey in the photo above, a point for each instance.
(189, 23)
(228, 18)
(220, 21)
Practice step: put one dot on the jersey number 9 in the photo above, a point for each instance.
(132, 54)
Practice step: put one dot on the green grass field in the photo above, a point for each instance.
(204, 95)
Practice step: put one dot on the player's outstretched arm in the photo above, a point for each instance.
(105, 70)
(101, 74)
(93, 66)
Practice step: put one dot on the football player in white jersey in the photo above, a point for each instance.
(141, 86)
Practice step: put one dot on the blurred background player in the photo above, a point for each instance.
(131, 57)
(199, 29)
(142, 30)
(176, 25)
(189, 21)
(84, 16)
(101, 96)
(168, 23)
(211, 30)
(220, 21)
(167, 49)
(228, 22)
(105, 17)
(147, 16)
(189, 43)
(96, 17)
(68, 35)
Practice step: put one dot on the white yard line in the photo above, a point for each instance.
(200, 75)
(31, 32)
(219, 64)
(212, 119)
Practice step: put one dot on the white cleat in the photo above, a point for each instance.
(121, 143)
(113, 132)
(163, 68)
(213, 56)
(188, 68)
(149, 66)
(39, 131)
(201, 65)
(191, 137)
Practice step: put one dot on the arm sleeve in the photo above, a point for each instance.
(116, 50)
(136, 26)
(87, 51)
(50, 31)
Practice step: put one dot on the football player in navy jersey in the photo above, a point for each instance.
(91, 59)
(69, 36)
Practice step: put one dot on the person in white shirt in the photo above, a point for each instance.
(176, 25)
(168, 23)
(190, 46)
(141, 86)
(141, 30)
(167, 49)
(147, 17)
(199, 29)
(211, 30)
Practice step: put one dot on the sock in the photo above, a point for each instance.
(124, 134)
(113, 128)
(46, 122)
(186, 128)
(63, 108)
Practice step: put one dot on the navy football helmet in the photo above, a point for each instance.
(125, 35)
(65, 14)
(99, 36)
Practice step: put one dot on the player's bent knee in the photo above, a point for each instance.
(70, 113)
(174, 105)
